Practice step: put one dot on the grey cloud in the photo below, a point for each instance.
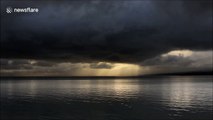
(25, 67)
(101, 65)
(193, 62)
(114, 31)
(24, 64)
(14, 64)
(168, 61)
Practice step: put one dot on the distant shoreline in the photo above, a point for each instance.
(209, 73)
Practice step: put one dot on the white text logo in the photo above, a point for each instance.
(21, 10)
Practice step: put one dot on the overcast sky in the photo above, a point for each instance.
(106, 38)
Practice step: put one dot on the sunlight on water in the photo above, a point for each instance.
(167, 97)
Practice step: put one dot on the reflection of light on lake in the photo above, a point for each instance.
(175, 94)
(104, 88)
(27, 88)
(97, 89)
(181, 95)
(185, 93)
(125, 88)
(32, 88)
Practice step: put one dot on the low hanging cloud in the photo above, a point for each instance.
(174, 61)
(26, 67)
(112, 31)
(101, 65)
(182, 58)
(179, 61)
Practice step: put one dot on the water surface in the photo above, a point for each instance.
(154, 98)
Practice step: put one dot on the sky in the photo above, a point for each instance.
(106, 37)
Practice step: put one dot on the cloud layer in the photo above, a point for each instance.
(112, 31)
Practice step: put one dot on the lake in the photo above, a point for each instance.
(148, 98)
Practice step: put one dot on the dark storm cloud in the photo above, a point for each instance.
(15, 64)
(115, 31)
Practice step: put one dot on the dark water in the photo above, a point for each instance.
(158, 98)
